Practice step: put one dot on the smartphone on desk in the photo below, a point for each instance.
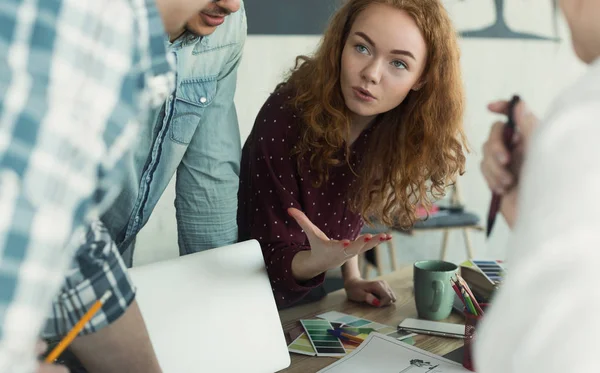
(437, 328)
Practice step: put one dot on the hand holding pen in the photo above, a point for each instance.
(501, 164)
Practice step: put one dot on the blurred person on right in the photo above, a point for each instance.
(544, 318)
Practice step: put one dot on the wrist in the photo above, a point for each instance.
(303, 267)
(350, 271)
(351, 280)
(508, 209)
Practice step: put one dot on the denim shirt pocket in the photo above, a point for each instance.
(192, 98)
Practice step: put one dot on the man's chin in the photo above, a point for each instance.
(201, 30)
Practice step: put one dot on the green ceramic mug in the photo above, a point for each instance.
(433, 290)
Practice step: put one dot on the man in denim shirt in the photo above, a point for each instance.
(195, 135)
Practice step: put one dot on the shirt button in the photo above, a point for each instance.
(203, 100)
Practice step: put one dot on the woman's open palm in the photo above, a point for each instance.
(327, 253)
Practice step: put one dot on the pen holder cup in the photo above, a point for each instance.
(471, 322)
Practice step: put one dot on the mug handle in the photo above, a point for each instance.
(438, 290)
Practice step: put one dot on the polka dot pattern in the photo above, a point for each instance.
(270, 183)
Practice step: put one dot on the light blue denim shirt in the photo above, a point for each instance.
(195, 136)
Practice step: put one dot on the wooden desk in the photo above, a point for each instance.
(402, 283)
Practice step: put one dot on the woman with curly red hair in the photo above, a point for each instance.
(367, 128)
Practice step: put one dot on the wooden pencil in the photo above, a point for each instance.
(66, 341)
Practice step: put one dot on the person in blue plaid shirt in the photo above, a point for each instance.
(74, 75)
(195, 135)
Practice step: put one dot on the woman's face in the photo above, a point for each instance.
(382, 60)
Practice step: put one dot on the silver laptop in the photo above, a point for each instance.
(212, 311)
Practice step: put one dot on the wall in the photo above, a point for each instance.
(493, 68)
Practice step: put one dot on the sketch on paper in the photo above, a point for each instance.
(418, 363)
(382, 354)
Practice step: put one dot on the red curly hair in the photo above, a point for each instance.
(417, 149)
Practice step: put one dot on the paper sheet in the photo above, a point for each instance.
(383, 354)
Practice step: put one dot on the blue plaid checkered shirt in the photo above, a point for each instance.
(74, 77)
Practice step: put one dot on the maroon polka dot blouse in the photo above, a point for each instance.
(270, 183)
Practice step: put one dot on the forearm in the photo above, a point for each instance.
(287, 288)
(509, 209)
(98, 268)
(350, 269)
(303, 269)
(123, 346)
